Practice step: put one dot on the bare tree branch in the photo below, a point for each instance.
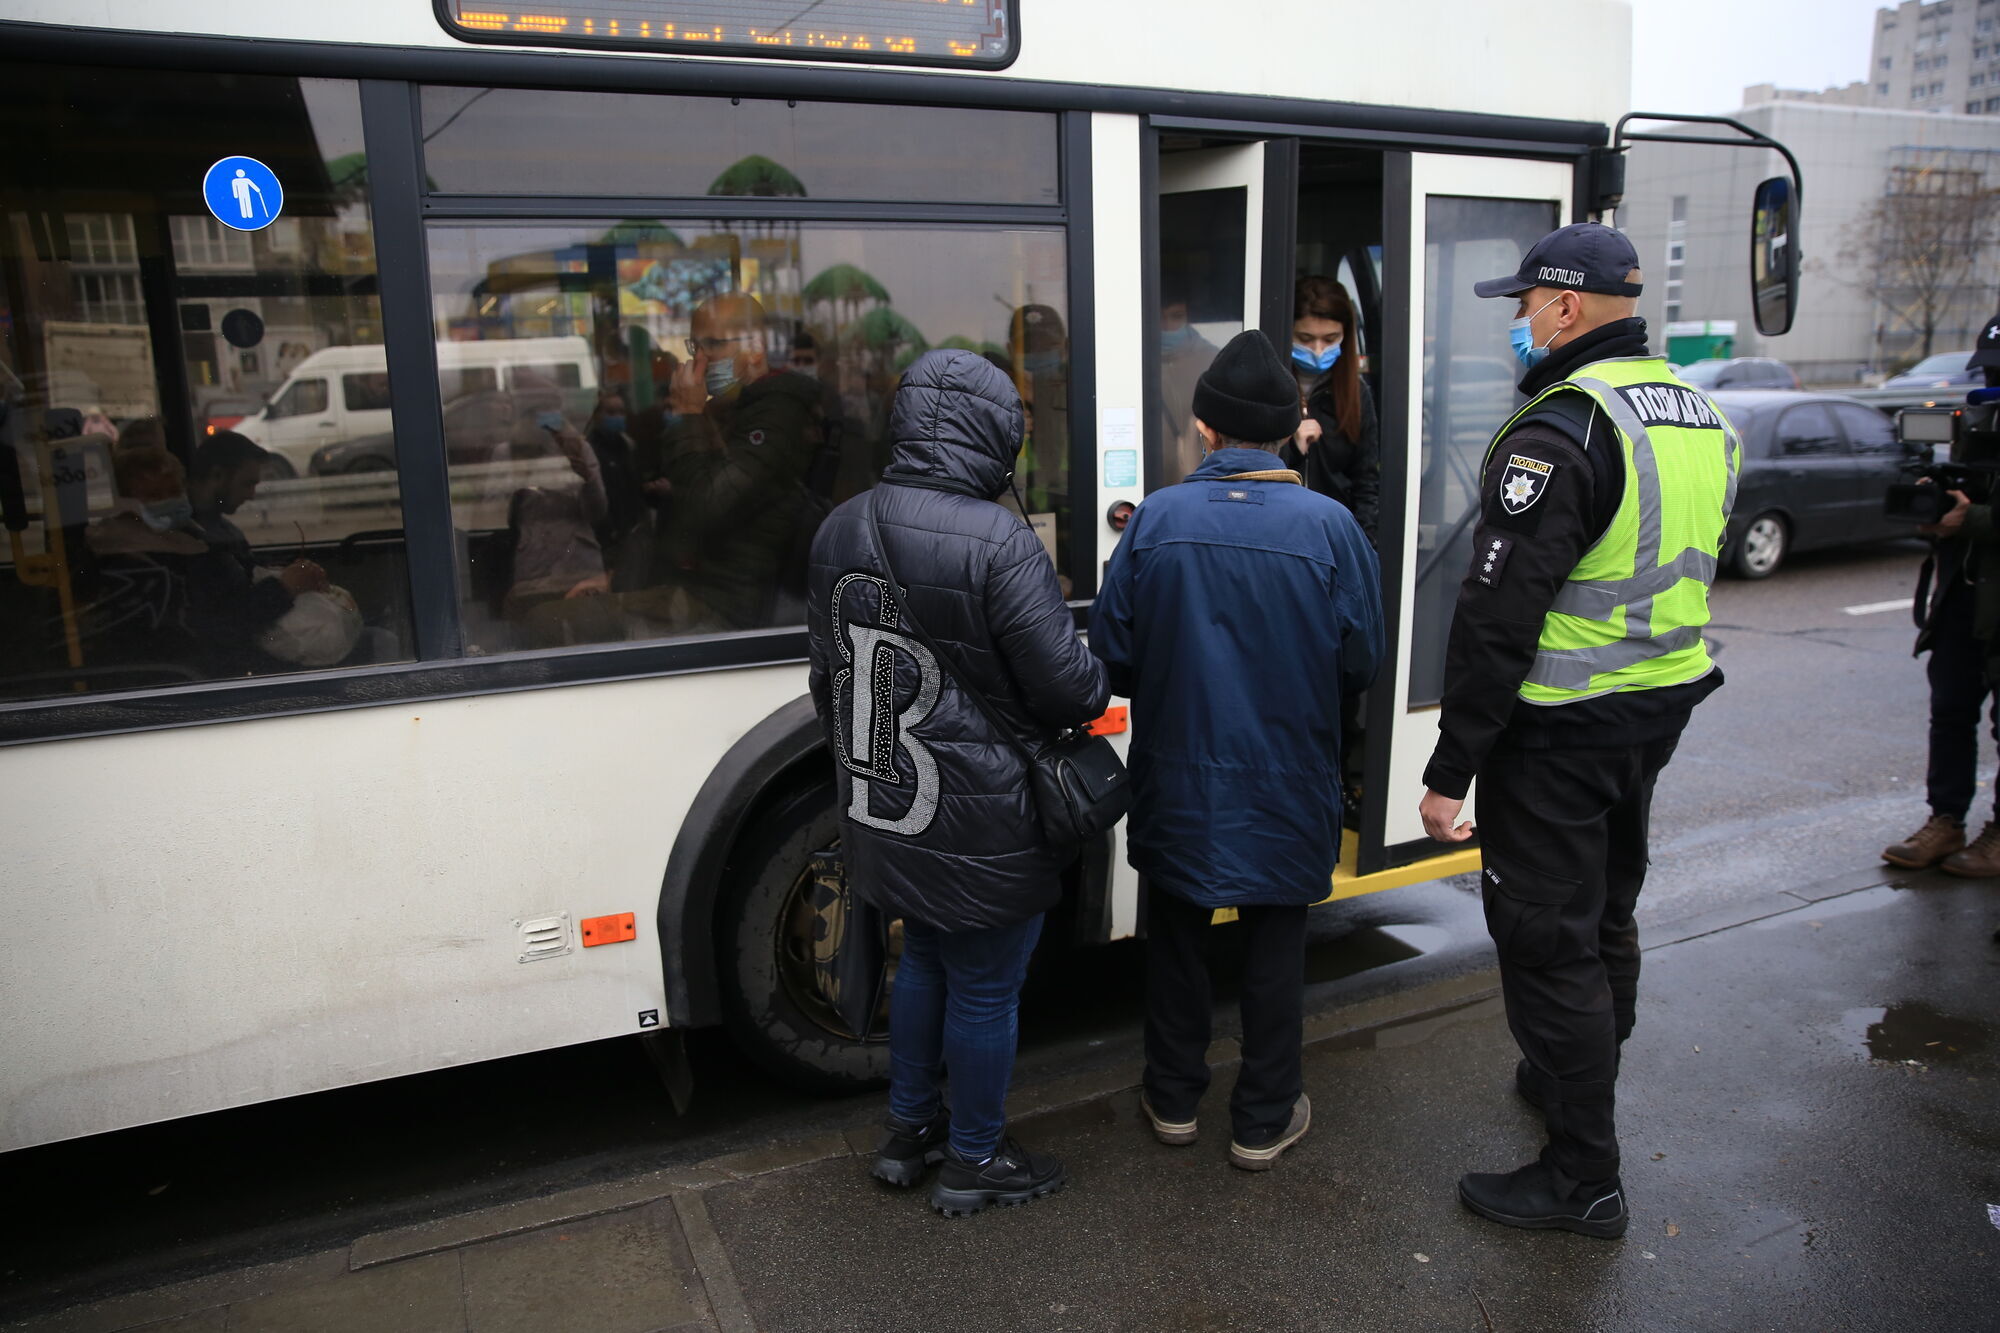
(1920, 249)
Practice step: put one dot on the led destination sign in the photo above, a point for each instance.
(976, 33)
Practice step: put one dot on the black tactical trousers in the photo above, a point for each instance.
(1563, 837)
(1179, 1004)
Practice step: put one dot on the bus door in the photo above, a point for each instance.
(1448, 385)
(1225, 233)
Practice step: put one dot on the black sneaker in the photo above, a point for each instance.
(1537, 1198)
(1013, 1176)
(906, 1153)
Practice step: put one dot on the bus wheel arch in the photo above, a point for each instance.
(782, 753)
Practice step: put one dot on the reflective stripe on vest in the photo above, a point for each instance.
(1577, 671)
(1574, 668)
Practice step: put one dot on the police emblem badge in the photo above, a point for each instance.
(1523, 482)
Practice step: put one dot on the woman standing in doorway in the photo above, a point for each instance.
(1337, 448)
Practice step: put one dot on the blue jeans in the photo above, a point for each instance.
(956, 1007)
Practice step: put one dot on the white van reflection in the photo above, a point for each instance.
(341, 394)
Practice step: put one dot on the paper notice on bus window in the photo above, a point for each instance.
(107, 366)
(1045, 528)
(1118, 446)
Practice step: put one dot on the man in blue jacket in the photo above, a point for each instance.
(1237, 610)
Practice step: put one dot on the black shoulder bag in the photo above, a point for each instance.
(1079, 783)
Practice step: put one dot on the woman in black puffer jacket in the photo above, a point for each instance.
(938, 823)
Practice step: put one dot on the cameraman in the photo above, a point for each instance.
(1961, 628)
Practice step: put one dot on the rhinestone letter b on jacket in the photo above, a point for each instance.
(867, 726)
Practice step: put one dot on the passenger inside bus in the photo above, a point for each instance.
(624, 533)
(1184, 354)
(1338, 447)
(558, 580)
(172, 593)
(740, 453)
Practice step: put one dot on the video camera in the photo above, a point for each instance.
(1970, 436)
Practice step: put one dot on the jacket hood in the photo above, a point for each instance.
(957, 419)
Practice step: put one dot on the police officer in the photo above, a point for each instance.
(1575, 658)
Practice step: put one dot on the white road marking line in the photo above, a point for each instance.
(1876, 608)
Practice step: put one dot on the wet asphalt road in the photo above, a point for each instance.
(1801, 769)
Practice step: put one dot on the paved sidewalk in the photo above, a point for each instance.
(1809, 1116)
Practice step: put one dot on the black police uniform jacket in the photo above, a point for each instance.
(938, 820)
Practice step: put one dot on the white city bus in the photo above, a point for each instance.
(565, 783)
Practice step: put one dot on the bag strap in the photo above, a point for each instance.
(909, 621)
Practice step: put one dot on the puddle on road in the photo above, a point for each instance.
(1846, 904)
(1402, 1032)
(1915, 1031)
(1368, 948)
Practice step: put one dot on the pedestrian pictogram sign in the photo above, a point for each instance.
(243, 193)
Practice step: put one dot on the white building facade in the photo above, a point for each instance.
(1686, 207)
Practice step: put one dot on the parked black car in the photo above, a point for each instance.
(1943, 370)
(1815, 469)
(1741, 372)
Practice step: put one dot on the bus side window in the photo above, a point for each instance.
(197, 536)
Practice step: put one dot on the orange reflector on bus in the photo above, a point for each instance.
(1113, 722)
(608, 929)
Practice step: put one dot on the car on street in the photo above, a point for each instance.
(1944, 370)
(1740, 372)
(1816, 467)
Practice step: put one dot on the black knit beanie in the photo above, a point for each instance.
(1248, 393)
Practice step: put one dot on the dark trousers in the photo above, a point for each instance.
(1179, 1005)
(1959, 693)
(1563, 837)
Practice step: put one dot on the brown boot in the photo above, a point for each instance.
(1940, 836)
(1981, 857)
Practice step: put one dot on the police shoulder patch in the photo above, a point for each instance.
(1523, 482)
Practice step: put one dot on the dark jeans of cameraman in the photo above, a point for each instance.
(1959, 692)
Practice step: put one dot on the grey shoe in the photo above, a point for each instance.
(1173, 1133)
(1265, 1157)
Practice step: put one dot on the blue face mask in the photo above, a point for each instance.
(614, 423)
(1305, 360)
(1521, 337)
(1172, 340)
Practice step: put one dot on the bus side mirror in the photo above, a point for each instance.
(1774, 256)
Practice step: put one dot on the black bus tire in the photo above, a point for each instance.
(765, 959)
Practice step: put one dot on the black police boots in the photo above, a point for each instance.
(907, 1151)
(1011, 1177)
(1537, 1197)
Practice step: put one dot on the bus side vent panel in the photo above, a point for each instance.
(544, 937)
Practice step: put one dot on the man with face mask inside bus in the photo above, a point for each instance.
(741, 442)
(1575, 658)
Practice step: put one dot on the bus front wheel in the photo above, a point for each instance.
(766, 927)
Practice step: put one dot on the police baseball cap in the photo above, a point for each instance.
(1987, 351)
(1583, 257)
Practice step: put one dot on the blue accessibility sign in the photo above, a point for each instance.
(243, 193)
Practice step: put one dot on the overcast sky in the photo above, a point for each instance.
(1698, 55)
